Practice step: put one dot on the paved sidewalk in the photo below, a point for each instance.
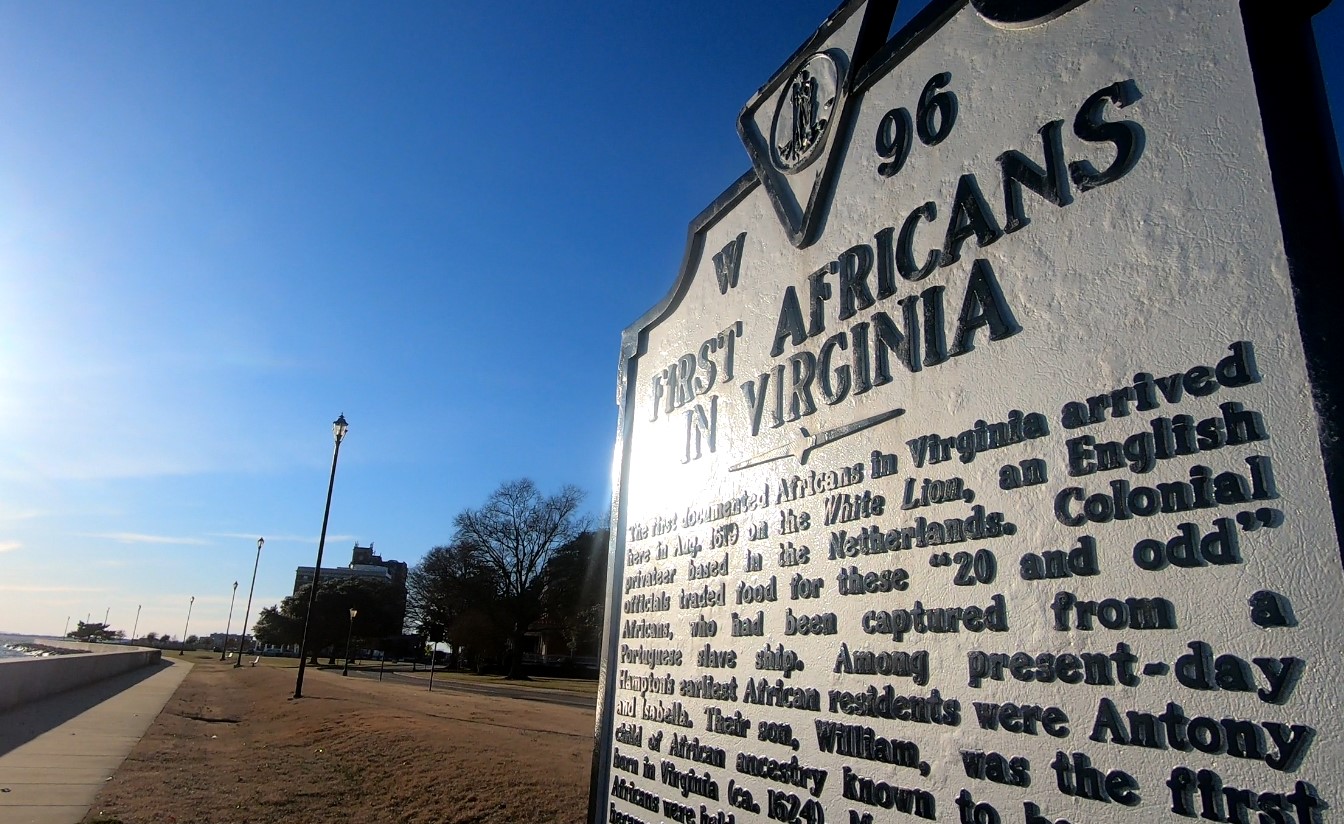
(564, 698)
(56, 754)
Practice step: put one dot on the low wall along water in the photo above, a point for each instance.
(27, 679)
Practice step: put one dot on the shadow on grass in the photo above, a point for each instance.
(22, 724)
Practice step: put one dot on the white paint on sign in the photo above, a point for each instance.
(1003, 499)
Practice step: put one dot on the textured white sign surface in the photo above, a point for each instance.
(997, 494)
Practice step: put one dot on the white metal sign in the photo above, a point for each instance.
(972, 471)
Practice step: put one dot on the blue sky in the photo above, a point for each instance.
(222, 225)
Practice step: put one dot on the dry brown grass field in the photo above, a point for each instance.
(233, 746)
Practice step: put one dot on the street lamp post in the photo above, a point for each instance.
(224, 652)
(183, 650)
(136, 628)
(338, 430)
(348, 636)
(248, 612)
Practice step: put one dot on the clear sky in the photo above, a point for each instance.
(224, 224)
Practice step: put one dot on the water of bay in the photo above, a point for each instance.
(13, 639)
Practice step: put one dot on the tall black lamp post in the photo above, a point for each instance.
(348, 636)
(224, 651)
(338, 429)
(192, 603)
(248, 612)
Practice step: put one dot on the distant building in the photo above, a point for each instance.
(363, 564)
(217, 640)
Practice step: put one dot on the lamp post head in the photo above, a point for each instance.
(235, 584)
(353, 613)
(260, 541)
(339, 428)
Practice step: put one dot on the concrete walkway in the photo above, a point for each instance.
(56, 754)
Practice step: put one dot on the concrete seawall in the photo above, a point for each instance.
(26, 679)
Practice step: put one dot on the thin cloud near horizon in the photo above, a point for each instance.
(281, 539)
(29, 588)
(141, 538)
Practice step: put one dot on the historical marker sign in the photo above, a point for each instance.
(973, 469)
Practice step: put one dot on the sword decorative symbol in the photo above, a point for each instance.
(803, 444)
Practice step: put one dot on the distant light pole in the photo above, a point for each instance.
(248, 612)
(183, 650)
(435, 636)
(338, 429)
(106, 613)
(223, 653)
(137, 622)
(66, 634)
(348, 636)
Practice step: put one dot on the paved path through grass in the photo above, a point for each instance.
(58, 753)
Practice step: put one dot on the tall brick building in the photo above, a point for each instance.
(363, 564)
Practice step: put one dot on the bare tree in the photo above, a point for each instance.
(446, 582)
(451, 588)
(574, 597)
(514, 535)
